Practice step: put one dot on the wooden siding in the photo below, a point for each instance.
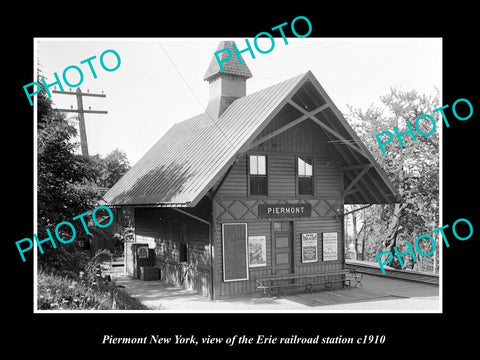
(198, 279)
(281, 176)
(263, 227)
(235, 183)
(282, 179)
(328, 179)
(125, 216)
(316, 223)
(247, 209)
(233, 204)
(241, 286)
(164, 227)
(318, 226)
(306, 137)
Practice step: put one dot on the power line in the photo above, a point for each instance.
(81, 111)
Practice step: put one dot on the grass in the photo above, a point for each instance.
(60, 292)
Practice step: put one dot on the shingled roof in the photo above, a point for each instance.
(231, 67)
(194, 154)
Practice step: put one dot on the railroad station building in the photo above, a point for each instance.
(253, 187)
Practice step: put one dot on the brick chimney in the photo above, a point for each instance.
(228, 85)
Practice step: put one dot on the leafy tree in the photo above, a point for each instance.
(357, 215)
(413, 169)
(117, 165)
(64, 183)
(110, 169)
(68, 184)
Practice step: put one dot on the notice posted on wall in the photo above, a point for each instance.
(330, 246)
(309, 248)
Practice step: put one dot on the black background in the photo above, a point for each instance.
(63, 335)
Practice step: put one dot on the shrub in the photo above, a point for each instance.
(61, 292)
(85, 291)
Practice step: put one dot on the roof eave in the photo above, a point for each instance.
(351, 132)
(246, 146)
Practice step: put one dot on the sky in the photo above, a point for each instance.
(160, 80)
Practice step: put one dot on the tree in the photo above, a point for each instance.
(116, 165)
(413, 169)
(110, 169)
(64, 181)
(63, 189)
(357, 215)
(69, 184)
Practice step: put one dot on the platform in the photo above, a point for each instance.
(378, 294)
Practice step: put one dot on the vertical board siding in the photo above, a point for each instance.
(159, 226)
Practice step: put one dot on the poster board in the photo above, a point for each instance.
(257, 251)
(235, 251)
(309, 248)
(330, 246)
(142, 252)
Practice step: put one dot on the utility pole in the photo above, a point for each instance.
(81, 111)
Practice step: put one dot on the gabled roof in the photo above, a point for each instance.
(194, 154)
(230, 67)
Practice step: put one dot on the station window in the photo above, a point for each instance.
(282, 226)
(305, 175)
(258, 175)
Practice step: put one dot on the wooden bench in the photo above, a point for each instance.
(302, 280)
